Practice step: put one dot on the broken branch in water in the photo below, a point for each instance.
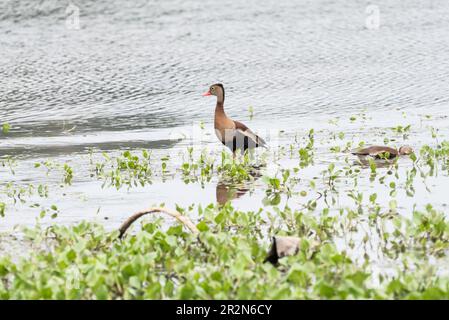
(175, 214)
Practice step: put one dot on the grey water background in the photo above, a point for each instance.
(143, 64)
(135, 70)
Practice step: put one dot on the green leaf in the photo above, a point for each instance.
(2, 209)
(6, 127)
(202, 226)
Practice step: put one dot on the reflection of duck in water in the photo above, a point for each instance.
(227, 191)
(380, 154)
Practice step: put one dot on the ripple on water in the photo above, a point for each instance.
(142, 65)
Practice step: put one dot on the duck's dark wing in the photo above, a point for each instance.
(243, 132)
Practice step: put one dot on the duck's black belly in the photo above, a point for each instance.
(240, 141)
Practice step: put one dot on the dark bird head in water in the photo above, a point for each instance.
(405, 150)
(216, 90)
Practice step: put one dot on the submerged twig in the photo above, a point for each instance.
(175, 214)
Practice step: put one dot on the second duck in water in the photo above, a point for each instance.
(382, 152)
(233, 134)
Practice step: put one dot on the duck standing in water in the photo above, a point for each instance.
(233, 134)
(382, 152)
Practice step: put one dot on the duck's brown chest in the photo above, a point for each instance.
(224, 127)
(225, 131)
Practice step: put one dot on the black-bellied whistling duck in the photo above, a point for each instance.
(382, 152)
(233, 134)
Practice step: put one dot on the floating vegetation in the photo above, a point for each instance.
(126, 169)
(197, 170)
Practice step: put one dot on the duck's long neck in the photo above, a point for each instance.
(219, 109)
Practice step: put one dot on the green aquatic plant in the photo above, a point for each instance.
(433, 157)
(430, 227)
(10, 163)
(306, 154)
(68, 174)
(2, 209)
(47, 164)
(53, 211)
(18, 193)
(201, 169)
(279, 186)
(236, 170)
(6, 127)
(126, 169)
(401, 129)
(223, 260)
(251, 112)
(164, 166)
(13, 194)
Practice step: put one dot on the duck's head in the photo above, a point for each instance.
(216, 90)
(405, 150)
